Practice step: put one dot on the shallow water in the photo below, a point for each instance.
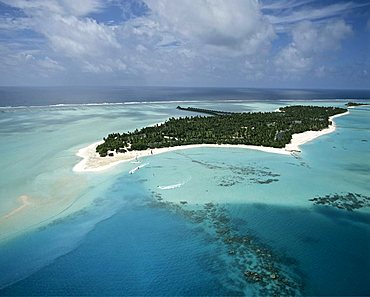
(137, 251)
(113, 233)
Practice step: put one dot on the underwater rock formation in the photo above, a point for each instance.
(348, 201)
(251, 263)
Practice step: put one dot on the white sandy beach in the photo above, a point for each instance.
(302, 138)
(92, 162)
(362, 105)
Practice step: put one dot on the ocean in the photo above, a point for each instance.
(42, 96)
(204, 221)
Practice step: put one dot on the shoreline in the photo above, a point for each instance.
(352, 107)
(92, 162)
(307, 136)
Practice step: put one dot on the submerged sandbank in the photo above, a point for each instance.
(92, 162)
(24, 200)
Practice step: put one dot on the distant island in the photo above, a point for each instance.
(267, 129)
(352, 104)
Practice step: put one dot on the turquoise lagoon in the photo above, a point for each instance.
(191, 222)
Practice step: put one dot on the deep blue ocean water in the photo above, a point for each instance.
(137, 250)
(117, 242)
(37, 96)
(332, 246)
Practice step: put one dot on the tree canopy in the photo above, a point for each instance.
(272, 129)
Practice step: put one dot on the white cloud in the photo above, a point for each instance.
(256, 68)
(314, 13)
(286, 14)
(321, 71)
(309, 40)
(63, 7)
(81, 7)
(176, 41)
(35, 5)
(49, 64)
(284, 4)
(9, 24)
(291, 60)
(109, 65)
(236, 25)
(77, 38)
(20, 65)
(70, 34)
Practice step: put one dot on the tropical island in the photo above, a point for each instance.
(267, 129)
(354, 104)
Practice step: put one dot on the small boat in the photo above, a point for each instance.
(137, 168)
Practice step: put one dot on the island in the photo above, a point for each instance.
(266, 129)
(281, 132)
(354, 104)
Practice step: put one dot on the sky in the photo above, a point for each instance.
(243, 43)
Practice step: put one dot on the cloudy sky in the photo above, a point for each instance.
(248, 43)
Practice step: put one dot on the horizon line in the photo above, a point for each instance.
(185, 87)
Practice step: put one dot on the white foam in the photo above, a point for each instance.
(174, 186)
(170, 186)
(137, 168)
(99, 104)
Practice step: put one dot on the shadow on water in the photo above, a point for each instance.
(116, 246)
(250, 266)
(331, 245)
(342, 216)
(30, 252)
(131, 242)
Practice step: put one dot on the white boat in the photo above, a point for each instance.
(137, 168)
(170, 187)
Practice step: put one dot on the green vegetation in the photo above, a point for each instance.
(272, 129)
(349, 104)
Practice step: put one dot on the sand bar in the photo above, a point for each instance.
(25, 201)
(362, 105)
(92, 162)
